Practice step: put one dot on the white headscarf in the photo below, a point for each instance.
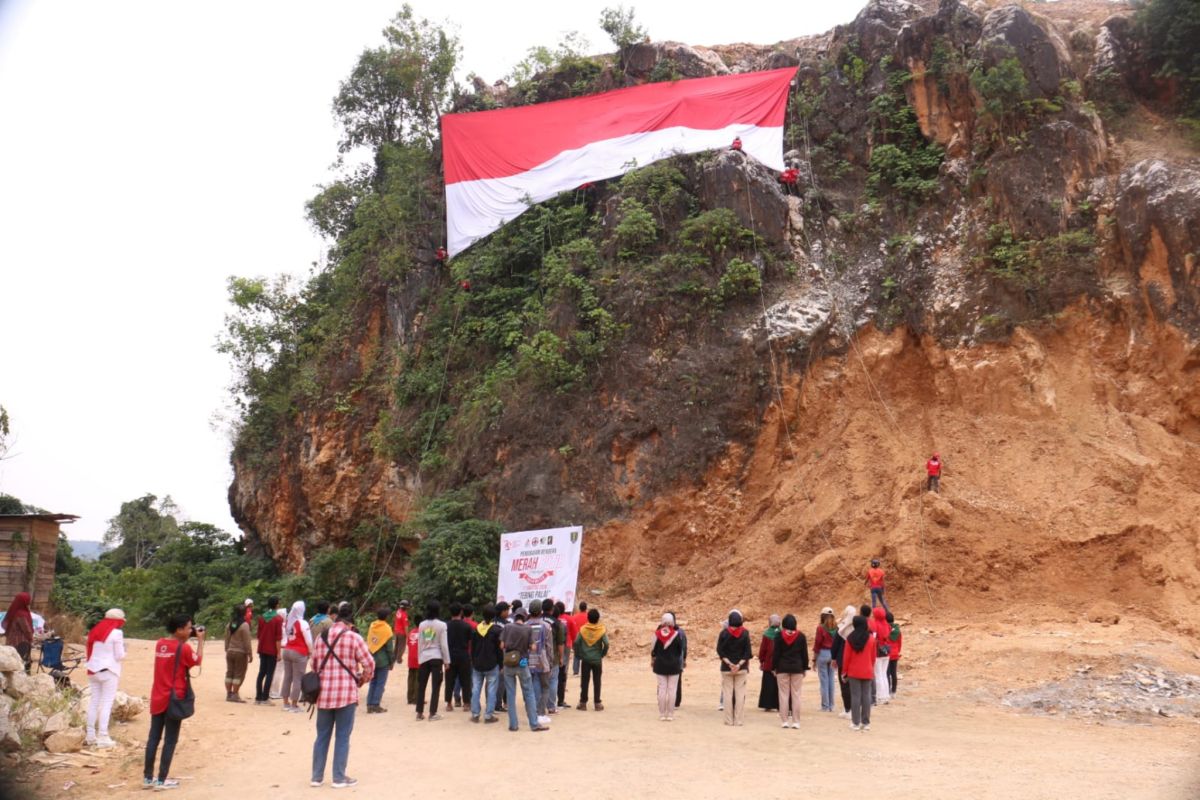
(846, 626)
(296, 614)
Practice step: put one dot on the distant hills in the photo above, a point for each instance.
(87, 550)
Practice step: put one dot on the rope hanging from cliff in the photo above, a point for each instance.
(873, 388)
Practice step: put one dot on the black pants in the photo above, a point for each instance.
(590, 672)
(433, 668)
(159, 723)
(932, 484)
(25, 651)
(893, 678)
(462, 671)
(845, 685)
(266, 675)
(562, 685)
(679, 691)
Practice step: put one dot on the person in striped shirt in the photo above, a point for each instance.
(344, 664)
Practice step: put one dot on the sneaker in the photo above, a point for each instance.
(540, 729)
(474, 718)
(344, 783)
(543, 720)
(420, 716)
(275, 696)
(434, 717)
(380, 710)
(796, 724)
(169, 783)
(148, 783)
(581, 707)
(720, 708)
(599, 706)
(316, 784)
(786, 725)
(564, 705)
(854, 727)
(844, 715)
(489, 720)
(105, 743)
(661, 718)
(865, 728)
(90, 741)
(513, 728)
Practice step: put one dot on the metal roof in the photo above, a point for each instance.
(61, 518)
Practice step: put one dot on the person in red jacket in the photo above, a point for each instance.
(895, 640)
(875, 576)
(441, 255)
(414, 665)
(790, 179)
(737, 144)
(933, 468)
(858, 668)
(883, 631)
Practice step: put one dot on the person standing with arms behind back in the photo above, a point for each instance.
(790, 661)
(735, 652)
(433, 651)
(666, 661)
(105, 652)
(858, 657)
(173, 657)
(514, 641)
(344, 664)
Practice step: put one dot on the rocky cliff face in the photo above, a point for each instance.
(986, 270)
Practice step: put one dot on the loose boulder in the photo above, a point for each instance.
(10, 660)
(68, 741)
(126, 707)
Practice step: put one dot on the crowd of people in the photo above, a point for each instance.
(513, 658)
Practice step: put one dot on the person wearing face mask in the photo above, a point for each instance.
(666, 660)
(735, 651)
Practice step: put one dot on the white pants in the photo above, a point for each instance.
(882, 692)
(104, 689)
(666, 695)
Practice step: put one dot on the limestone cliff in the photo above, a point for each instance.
(1005, 277)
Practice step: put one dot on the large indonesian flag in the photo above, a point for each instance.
(499, 162)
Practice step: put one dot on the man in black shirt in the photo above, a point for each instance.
(458, 639)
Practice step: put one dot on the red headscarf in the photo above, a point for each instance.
(101, 631)
(665, 635)
(19, 609)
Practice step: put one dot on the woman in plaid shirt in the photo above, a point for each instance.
(342, 671)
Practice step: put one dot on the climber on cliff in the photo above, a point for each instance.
(737, 144)
(441, 255)
(933, 467)
(790, 179)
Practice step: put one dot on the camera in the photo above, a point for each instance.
(197, 629)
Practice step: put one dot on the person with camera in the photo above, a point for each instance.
(171, 697)
(343, 664)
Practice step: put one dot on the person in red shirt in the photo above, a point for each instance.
(580, 618)
(883, 632)
(400, 627)
(858, 668)
(568, 620)
(441, 255)
(933, 468)
(173, 657)
(895, 640)
(249, 604)
(270, 632)
(737, 144)
(790, 179)
(875, 576)
(413, 640)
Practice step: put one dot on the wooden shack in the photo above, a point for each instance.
(28, 544)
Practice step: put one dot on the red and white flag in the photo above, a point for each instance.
(499, 162)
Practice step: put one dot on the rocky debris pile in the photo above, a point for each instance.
(1139, 693)
(36, 714)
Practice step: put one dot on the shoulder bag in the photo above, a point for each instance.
(180, 708)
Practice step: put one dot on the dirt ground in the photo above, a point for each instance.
(942, 737)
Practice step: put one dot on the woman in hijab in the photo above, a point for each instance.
(18, 627)
(859, 667)
(823, 656)
(790, 660)
(735, 651)
(295, 656)
(683, 642)
(666, 659)
(105, 652)
(844, 627)
(883, 632)
(768, 694)
(239, 651)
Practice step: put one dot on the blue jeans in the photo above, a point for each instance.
(827, 675)
(327, 720)
(484, 681)
(375, 690)
(552, 699)
(511, 676)
(878, 593)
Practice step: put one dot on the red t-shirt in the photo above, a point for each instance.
(859, 664)
(400, 627)
(165, 672)
(875, 577)
(270, 631)
(894, 647)
(934, 468)
(580, 619)
(572, 629)
(414, 639)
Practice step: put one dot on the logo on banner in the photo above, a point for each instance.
(532, 581)
(574, 537)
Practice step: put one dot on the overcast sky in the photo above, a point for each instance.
(148, 150)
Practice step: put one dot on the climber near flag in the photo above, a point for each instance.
(790, 177)
(933, 468)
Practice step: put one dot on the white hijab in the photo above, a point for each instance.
(846, 626)
(296, 614)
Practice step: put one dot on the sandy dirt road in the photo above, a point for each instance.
(928, 743)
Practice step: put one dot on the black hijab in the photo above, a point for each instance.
(859, 637)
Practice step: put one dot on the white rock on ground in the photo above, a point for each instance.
(55, 723)
(126, 707)
(10, 660)
(68, 741)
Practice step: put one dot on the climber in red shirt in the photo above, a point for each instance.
(441, 255)
(737, 144)
(934, 469)
(790, 177)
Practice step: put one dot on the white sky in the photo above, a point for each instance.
(150, 149)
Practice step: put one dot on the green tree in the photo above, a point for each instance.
(396, 92)
(65, 560)
(619, 24)
(1171, 31)
(459, 557)
(5, 431)
(11, 505)
(137, 533)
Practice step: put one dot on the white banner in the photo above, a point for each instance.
(535, 565)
